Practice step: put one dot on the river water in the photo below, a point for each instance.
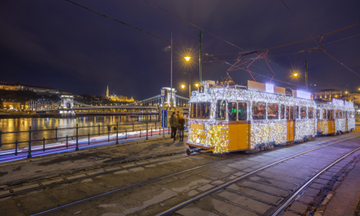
(23, 124)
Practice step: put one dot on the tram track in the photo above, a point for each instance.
(289, 200)
(285, 202)
(167, 175)
(96, 174)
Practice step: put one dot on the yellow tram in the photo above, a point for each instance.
(248, 118)
(334, 117)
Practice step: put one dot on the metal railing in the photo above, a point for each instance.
(105, 132)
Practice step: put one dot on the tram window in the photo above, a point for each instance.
(273, 111)
(317, 113)
(291, 114)
(303, 112)
(297, 112)
(193, 110)
(282, 115)
(258, 110)
(242, 111)
(287, 113)
(345, 115)
(324, 114)
(330, 114)
(339, 114)
(311, 112)
(232, 111)
(203, 110)
(220, 110)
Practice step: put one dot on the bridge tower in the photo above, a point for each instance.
(67, 102)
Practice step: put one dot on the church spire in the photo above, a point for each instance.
(107, 91)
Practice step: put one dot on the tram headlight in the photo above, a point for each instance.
(197, 141)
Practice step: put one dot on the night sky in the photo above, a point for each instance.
(60, 45)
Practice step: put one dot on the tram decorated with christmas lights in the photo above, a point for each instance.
(335, 117)
(224, 118)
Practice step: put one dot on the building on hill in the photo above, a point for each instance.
(118, 98)
(16, 86)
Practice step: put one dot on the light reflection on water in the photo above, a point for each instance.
(23, 124)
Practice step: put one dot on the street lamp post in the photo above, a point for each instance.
(187, 58)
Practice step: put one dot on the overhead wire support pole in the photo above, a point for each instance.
(200, 58)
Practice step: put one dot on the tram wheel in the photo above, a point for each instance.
(188, 152)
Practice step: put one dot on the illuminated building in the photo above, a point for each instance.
(118, 98)
(37, 89)
(328, 94)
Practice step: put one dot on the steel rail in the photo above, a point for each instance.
(185, 203)
(122, 188)
(287, 202)
(157, 178)
(83, 178)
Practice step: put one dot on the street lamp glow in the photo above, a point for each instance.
(346, 92)
(197, 85)
(182, 86)
(295, 74)
(187, 58)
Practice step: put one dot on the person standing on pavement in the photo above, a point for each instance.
(173, 125)
(181, 126)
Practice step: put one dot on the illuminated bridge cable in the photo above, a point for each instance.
(116, 20)
(322, 48)
(193, 25)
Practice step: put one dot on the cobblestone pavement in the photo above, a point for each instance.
(149, 177)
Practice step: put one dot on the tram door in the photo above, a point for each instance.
(290, 123)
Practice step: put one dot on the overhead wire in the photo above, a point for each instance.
(322, 48)
(313, 48)
(116, 20)
(174, 15)
(159, 37)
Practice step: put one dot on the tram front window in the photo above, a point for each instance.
(203, 110)
(273, 111)
(258, 110)
(324, 114)
(220, 110)
(242, 111)
(232, 111)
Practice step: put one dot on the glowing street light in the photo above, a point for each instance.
(187, 58)
(182, 86)
(197, 85)
(295, 74)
